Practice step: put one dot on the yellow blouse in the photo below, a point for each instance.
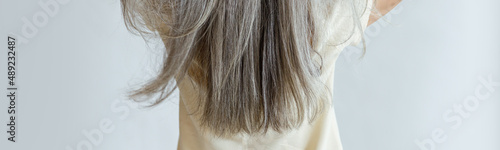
(337, 29)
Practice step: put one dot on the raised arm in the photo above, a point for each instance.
(383, 6)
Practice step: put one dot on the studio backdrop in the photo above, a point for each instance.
(430, 79)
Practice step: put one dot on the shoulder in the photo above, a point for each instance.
(341, 22)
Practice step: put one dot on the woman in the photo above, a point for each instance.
(252, 74)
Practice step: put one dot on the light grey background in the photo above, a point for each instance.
(73, 71)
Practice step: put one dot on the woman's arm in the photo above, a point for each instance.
(383, 6)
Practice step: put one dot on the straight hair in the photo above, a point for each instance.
(251, 60)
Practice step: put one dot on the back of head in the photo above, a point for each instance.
(251, 60)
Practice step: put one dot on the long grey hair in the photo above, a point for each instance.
(251, 60)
